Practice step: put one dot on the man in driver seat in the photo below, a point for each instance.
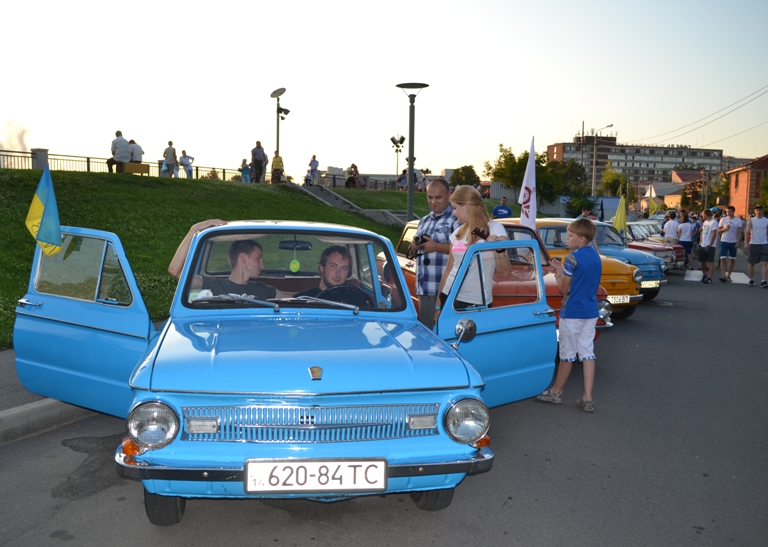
(334, 268)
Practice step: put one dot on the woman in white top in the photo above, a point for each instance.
(685, 238)
(469, 210)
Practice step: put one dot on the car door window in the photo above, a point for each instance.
(87, 269)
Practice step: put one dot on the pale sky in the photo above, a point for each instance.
(201, 74)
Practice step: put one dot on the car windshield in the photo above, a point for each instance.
(277, 270)
(607, 235)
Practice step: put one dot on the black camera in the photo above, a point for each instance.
(420, 239)
(480, 232)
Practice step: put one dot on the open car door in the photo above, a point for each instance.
(82, 327)
(515, 341)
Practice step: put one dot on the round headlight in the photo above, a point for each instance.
(467, 421)
(663, 266)
(604, 308)
(152, 425)
(637, 275)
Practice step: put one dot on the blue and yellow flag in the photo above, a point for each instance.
(43, 217)
(620, 220)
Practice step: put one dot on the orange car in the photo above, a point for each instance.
(519, 286)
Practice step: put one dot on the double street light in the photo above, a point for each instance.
(397, 144)
(411, 122)
(594, 156)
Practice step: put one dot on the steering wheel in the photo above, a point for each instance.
(348, 294)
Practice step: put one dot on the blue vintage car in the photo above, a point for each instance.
(273, 394)
(611, 244)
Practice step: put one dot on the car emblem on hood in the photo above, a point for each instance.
(316, 373)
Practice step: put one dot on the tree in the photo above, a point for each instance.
(465, 175)
(506, 168)
(614, 183)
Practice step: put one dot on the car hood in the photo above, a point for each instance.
(637, 258)
(273, 354)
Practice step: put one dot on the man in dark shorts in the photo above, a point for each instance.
(334, 268)
(707, 246)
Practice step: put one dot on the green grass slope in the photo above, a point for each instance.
(150, 216)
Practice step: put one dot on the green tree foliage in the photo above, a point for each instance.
(763, 199)
(723, 194)
(511, 171)
(506, 168)
(465, 175)
(613, 183)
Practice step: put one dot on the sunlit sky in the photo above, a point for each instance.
(201, 74)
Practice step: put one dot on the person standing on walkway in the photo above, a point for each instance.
(350, 176)
(431, 252)
(277, 169)
(730, 231)
(170, 159)
(136, 152)
(685, 238)
(756, 242)
(186, 163)
(670, 228)
(245, 171)
(707, 246)
(121, 153)
(313, 165)
(259, 161)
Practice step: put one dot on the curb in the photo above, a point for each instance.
(33, 418)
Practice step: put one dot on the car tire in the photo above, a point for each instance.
(164, 510)
(624, 312)
(650, 295)
(433, 500)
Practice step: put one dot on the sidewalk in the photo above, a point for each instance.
(23, 414)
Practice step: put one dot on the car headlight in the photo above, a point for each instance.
(637, 275)
(152, 425)
(604, 308)
(663, 266)
(467, 421)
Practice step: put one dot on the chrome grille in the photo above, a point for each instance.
(309, 424)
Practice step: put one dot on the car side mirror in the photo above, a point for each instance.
(466, 329)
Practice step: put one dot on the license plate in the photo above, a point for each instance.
(315, 476)
(649, 284)
(619, 299)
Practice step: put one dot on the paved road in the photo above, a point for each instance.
(675, 454)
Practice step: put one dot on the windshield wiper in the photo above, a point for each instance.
(239, 299)
(312, 299)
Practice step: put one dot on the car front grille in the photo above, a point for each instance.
(309, 424)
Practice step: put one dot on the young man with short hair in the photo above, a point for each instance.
(756, 242)
(707, 246)
(730, 230)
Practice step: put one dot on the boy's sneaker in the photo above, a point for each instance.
(764, 284)
(704, 278)
(709, 280)
(751, 283)
(550, 396)
(723, 279)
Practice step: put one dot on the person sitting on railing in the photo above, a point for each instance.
(121, 153)
(136, 151)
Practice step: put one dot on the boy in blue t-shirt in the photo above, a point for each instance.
(578, 278)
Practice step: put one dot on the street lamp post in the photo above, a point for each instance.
(281, 113)
(397, 144)
(594, 157)
(411, 157)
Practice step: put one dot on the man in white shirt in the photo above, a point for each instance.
(136, 152)
(756, 242)
(707, 247)
(670, 228)
(121, 153)
(730, 231)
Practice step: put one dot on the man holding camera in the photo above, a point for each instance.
(431, 246)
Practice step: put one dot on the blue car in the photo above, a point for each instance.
(611, 244)
(303, 386)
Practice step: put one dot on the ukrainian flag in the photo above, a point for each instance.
(620, 220)
(43, 217)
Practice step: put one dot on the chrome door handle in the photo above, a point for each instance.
(24, 303)
(545, 312)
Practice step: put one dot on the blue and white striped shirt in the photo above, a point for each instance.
(439, 228)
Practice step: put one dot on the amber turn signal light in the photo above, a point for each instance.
(482, 442)
(130, 448)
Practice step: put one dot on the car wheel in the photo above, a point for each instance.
(433, 500)
(164, 510)
(623, 312)
(650, 295)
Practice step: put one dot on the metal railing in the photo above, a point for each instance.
(339, 181)
(10, 159)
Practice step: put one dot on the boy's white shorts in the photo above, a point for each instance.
(577, 337)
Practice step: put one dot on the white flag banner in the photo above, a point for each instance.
(527, 199)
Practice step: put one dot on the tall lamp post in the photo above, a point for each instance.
(594, 157)
(281, 113)
(411, 121)
(397, 144)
